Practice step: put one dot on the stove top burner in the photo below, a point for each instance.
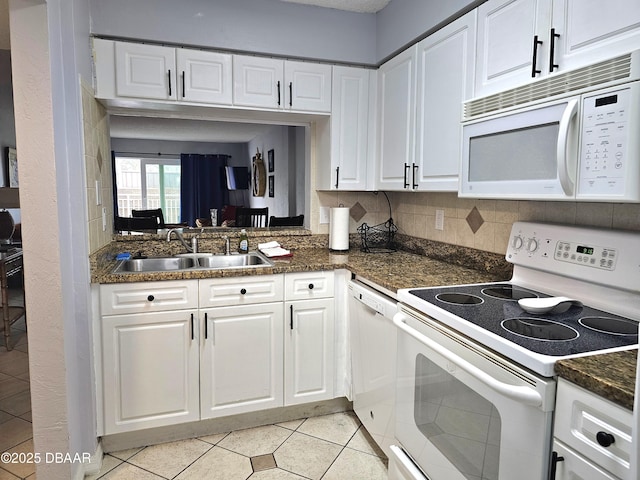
(539, 329)
(459, 299)
(507, 292)
(612, 326)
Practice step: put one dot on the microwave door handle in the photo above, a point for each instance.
(525, 395)
(563, 146)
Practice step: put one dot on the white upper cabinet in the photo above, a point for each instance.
(145, 71)
(271, 83)
(205, 77)
(396, 101)
(521, 40)
(445, 80)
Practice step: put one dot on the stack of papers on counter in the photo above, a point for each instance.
(273, 249)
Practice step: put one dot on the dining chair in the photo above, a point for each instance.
(252, 217)
(156, 213)
(296, 221)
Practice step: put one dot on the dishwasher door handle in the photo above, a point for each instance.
(520, 394)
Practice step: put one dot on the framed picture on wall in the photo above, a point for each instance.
(271, 186)
(270, 160)
(12, 167)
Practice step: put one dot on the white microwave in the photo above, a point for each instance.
(583, 147)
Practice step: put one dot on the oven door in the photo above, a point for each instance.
(463, 412)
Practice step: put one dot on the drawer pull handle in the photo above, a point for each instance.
(151, 298)
(555, 458)
(243, 291)
(311, 286)
(605, 439)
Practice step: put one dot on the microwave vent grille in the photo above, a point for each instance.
(601, 73)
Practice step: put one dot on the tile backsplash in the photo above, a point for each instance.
(480, 224)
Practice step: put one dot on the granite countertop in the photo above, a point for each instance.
(610, 375)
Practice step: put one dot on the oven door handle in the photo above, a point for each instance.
(520, 394)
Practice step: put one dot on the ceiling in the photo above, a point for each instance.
(361, 6)
(184, 130)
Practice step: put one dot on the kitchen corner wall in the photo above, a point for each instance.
(97, 154)
(480, 224)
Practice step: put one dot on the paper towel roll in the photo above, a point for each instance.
(339, 228)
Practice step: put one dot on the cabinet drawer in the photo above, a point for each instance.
(218, 292)
(307, 285)
(119, 298)
(574, 467)
(582, 417)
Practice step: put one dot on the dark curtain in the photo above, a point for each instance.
(202, 185)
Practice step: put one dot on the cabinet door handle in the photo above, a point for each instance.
(555, 458)
(406, 167)
(183, 89)
(291, 94)
(169, 76)
(552, 50)
(415, 168)
(337, 176)
(206, 326)
(278, 92)
(291, 317)
(193, 332)
(536, 42)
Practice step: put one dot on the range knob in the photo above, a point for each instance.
(532, 245)
(517, 242)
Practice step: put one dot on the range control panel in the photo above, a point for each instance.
(609, 257)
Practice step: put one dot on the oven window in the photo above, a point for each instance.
(462, 425)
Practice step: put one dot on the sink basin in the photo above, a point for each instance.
(155, 264)
(251, 259)
(180, 262)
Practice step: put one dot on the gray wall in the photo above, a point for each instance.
(7, 120)
(260, 26)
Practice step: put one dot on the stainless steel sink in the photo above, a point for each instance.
(251, 259)
(172, 264)
(154, 264)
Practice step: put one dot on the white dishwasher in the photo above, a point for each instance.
(373, 360)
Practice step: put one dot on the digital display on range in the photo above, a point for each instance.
(585, 250)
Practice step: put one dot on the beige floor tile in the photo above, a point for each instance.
(4, 417)
(26, 416)
(18, 404)
(23, 469)
(356, 465)
(108, 464)
(213, 439)
(252, 442)
(126, 471)
(14, 432)
(4, 475)
(169, 459)
(363, 442)
(336, 428)
(275, 474)
(305, 455)
(12, 386)
(125, 454)
(14, 362)
(225, 464)
(291, 425)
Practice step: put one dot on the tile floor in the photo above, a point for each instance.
(329, 447)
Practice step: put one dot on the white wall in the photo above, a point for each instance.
(260, 26)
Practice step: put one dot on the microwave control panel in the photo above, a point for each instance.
(605, 141)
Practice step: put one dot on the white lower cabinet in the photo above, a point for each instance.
(185, 350)
(241, 359)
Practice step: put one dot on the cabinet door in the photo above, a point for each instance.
(445, 80)
(258, 82)
(307, 86)
(241, 360)
(205, 77)
(308, 351)
(593, 30)
(506, 33)
(150, 370)
(397, 87)
(349, 129)
(145, 71)
(575, 467)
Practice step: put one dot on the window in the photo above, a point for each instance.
(148, 183)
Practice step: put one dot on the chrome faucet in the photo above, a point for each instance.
(227, 245)
(193, 248)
